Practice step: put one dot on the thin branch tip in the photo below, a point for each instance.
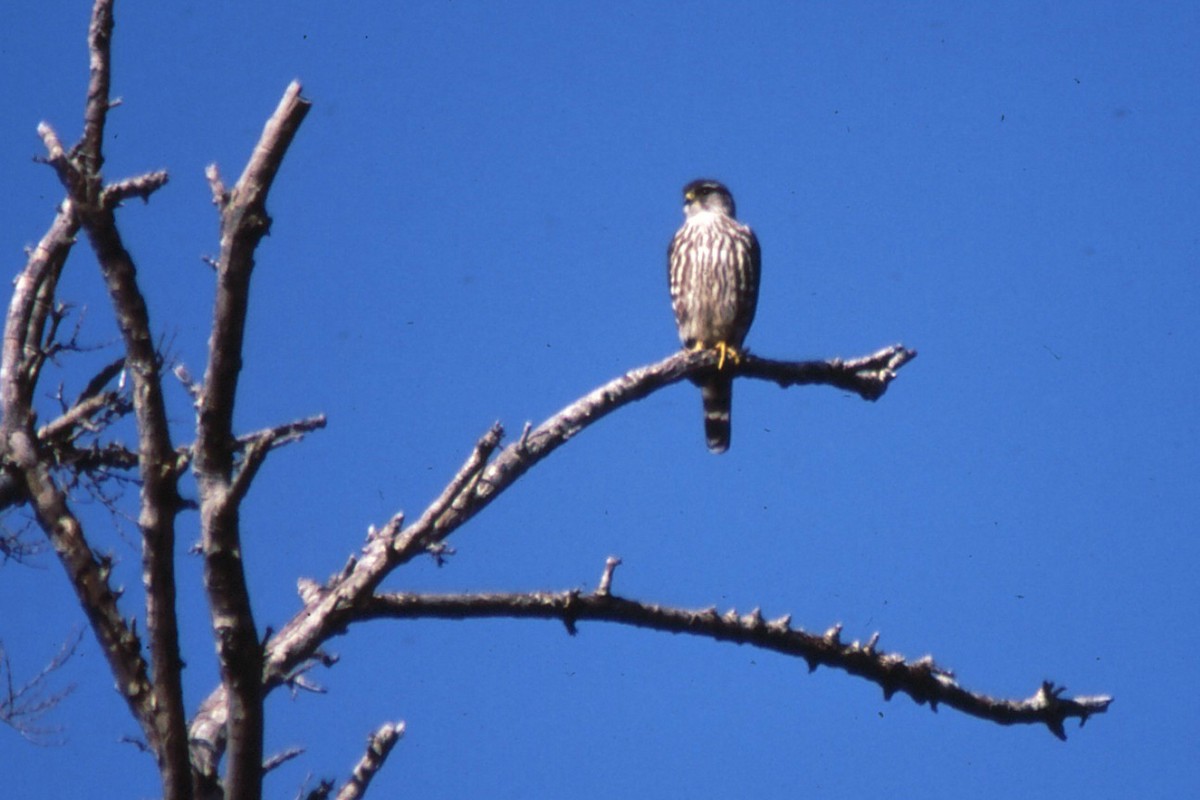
(606, 578)
(141, 186)
(379, 746)
(220, 195)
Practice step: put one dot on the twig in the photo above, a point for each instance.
(454, 495)
(63, 426)
(21, 707)
(379, 746)
(142, 186)
(101, 379)
(610, 566)
(281, 758)
(255, 447)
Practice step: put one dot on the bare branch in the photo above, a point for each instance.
(163, 718)
(255, 447)
(868, 376)
(329, 609)
(24, 326)
(97, 458)
(54, 148)
(281, 758)
(610, 566)
(29, 470)
(22, 707)
(16, 545)
(142, 186)
(64, 426)
(88, 573)
(160, 500)
(220, 194)
(460, 486)
(922, 680)
(379, 745)
(321, 791)
(30, 305)
(91, 411)
(95, 113)
(101, 379)
(194, 390)
(244, 221)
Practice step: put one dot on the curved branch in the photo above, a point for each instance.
(328, 609)
(922, 680)
(479, 481)
(868, 376)
(29, 307)
(28, 466)
(24, 327)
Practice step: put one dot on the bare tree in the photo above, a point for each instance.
(47, 466)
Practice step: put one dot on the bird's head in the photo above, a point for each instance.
(707, 195)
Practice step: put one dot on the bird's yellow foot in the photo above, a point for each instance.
(724, 351)
(729, 352)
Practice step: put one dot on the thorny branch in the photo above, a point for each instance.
(922, 679)
(155, 699)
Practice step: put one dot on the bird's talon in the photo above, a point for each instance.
(727, 352)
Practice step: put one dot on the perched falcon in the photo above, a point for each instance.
(713, 265)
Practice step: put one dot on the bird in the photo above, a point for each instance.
(713, 267)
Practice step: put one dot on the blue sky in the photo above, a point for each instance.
(472, 225)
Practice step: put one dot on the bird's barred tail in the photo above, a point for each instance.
(717, 395)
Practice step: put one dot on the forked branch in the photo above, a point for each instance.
(485, 474)
(158, 702)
